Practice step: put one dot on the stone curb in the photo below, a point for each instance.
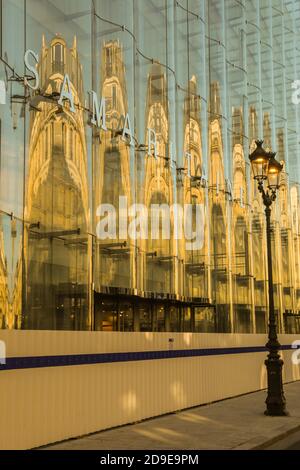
(262, 443)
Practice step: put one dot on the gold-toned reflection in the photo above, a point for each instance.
(221, 286)
(241, 279)
(258, 239)
(114, 259)
(56, 201)
(4, 304)
(10, 273)
(218, 213)
(158, 187)
(284, 248)
(295, 248)
(193, 192)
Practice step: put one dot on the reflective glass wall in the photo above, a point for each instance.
(189, 85)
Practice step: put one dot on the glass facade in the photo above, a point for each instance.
(208, 78)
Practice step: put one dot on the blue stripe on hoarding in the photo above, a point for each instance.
(32, 362)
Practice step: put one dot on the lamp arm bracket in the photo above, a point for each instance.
(268, 196)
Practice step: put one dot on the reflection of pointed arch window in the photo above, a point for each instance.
(58, 56)
(58, 53)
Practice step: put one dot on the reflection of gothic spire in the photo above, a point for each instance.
(283, 175)
(192, 101)
(74, 47)
(280, 144)
(112, 61)
(157, 184)
(237, 126)
(157, 88)
(156, 118)
(267, 131)
(112, 165)
(113, 81)
(57, 191)
(215, 101)
(253, 127)
(192, 131)
(113, 88)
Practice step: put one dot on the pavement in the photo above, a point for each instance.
(238, 423)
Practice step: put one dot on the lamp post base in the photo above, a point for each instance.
(276, 412)
(276, 405)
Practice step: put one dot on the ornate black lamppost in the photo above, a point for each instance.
(266, 169)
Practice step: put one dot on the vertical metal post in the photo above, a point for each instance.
(275, 399)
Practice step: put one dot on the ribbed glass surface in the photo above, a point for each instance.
(208, 78)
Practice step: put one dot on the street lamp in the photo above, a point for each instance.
(266, 169)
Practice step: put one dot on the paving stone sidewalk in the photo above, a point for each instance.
(236, 423)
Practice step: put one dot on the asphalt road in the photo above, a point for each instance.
(291, 442)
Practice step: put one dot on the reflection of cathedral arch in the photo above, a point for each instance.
(158, 182)
(57, 200)
(217, 185)
(113, 88)
(240, 222)
(112, 167)
(193, 146)
(218, 226)
(196, 283)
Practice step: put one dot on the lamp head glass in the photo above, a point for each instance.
(259, 159)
